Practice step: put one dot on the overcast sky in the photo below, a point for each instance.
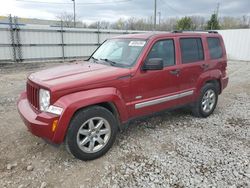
(111, 10)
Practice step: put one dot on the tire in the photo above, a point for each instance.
(206, 102)
(91, 133)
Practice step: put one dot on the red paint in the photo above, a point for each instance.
(83, 84)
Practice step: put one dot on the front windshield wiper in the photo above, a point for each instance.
(103, 59)
(109, 61)
(93, 58)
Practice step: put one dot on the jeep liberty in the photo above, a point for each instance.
(84, 104)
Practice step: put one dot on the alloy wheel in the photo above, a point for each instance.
(93, 135)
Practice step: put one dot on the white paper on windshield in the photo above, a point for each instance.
(137, 43)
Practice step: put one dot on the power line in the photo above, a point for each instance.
(81, 4)
(171, 7)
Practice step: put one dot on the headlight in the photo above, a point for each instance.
(44, 99)
(44, 102)
(55, 110)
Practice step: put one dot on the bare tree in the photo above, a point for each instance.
(245, 21)
(198, 22)
(68, 20)
(228, 22)
(131, 23)
(170, 23)
(93, 25)
(104, 25)
(119, 24)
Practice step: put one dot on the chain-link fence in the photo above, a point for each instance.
(20, 42)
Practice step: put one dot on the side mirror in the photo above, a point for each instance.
(153, 64)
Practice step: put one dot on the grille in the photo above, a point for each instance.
(32, 95)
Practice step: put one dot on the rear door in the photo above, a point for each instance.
(193, 64)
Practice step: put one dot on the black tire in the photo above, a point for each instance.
(197, 108)
(76, 123)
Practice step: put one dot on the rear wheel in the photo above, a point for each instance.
(207, 101)
(91, 133)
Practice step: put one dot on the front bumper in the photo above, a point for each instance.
(38, 123)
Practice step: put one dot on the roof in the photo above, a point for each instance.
(148, 35)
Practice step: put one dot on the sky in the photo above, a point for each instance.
(111, 10)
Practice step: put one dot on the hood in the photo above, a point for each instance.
(76, 75)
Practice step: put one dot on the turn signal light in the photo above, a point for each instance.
(54, 125)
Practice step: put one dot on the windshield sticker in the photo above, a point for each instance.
(137, 43)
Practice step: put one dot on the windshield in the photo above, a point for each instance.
(119, 52)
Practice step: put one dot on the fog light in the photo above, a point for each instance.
(54, 125)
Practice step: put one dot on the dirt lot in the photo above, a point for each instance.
(169, 150)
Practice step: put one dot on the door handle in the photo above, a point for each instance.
(204, 66)
(175, 72)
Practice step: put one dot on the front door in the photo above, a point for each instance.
(154, 90)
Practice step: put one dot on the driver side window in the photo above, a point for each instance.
(163, 49)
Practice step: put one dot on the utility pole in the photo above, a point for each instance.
(74, 7)
(159, 13)
(155, 15)
(217, 10)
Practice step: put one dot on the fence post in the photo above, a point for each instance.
(98, 33)
(12, 39)
(62, 41)
(18, 40)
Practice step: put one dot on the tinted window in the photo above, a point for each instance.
(191, 50)
(163, 49)
(215, 48)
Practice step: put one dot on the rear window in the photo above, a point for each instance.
(191, 50)
(215, 48)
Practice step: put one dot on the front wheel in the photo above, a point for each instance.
(207, 101)
(91, 133)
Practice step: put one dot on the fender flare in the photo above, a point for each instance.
(75, 101)
(206, 77)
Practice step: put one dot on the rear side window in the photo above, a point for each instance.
(215, 48)
(163, 49)
(191, 50)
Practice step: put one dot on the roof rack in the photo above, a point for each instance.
(183, 31)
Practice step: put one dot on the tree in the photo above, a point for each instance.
(168, 24)
(185, 23)
(198, 22)
(120, 24)
(68, 19)
(104, 25)
(93, 25)
(213, 23)
(228, 22)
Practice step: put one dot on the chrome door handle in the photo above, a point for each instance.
(175, 72)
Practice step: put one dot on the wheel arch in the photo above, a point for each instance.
(109, 98)
(110, 106)
(217, 84)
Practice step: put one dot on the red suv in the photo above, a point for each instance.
(85, 104)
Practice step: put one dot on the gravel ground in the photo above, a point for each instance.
(172, 149)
